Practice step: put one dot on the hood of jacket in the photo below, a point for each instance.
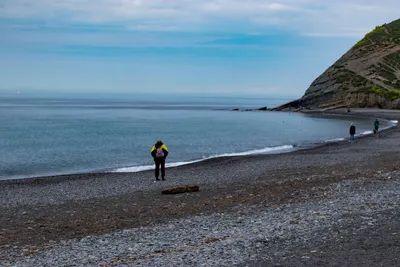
(158, 144)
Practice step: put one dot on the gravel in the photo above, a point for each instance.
(238, 238)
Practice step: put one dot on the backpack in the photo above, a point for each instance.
(159, 153)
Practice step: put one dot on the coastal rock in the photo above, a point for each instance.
(368, 75)
(181, 189)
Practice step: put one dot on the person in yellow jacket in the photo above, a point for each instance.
(159, 152)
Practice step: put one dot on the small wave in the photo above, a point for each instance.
(335, 140)
(344, 138)
(257, 151)
(366, 132)
(150, 167)
(265, 150)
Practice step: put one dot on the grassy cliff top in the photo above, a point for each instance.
(387, 33)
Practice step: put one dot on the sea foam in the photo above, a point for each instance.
(266, 150)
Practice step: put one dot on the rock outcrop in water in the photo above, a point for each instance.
(368, 75)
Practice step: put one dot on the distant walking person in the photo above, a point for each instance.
(159, 152)
(352, 132)
(376, 126)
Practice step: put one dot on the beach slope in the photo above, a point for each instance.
(333, 205)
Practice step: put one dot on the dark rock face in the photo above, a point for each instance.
(368, 75)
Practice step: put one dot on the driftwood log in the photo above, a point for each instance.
(181, 189)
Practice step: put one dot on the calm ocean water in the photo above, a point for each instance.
(48, 136)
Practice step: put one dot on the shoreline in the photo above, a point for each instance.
(383, 115)
(262, 210)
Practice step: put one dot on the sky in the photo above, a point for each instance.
(246, 47)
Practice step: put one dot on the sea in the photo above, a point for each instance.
(56, 135)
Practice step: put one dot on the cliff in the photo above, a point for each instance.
(368, 75)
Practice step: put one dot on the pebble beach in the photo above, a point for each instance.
(332, 205)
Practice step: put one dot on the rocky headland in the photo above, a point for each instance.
(367, 76)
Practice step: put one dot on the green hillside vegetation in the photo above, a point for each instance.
(394, 30)
(393, 60)
(383, 92)
(387, 34)
(368, 75)
(381, 34)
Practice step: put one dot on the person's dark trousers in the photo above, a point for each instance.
(159, 162)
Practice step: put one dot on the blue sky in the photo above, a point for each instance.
(187, 46)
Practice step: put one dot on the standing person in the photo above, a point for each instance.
(352, 132)
(376, 126)
(159, 152)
